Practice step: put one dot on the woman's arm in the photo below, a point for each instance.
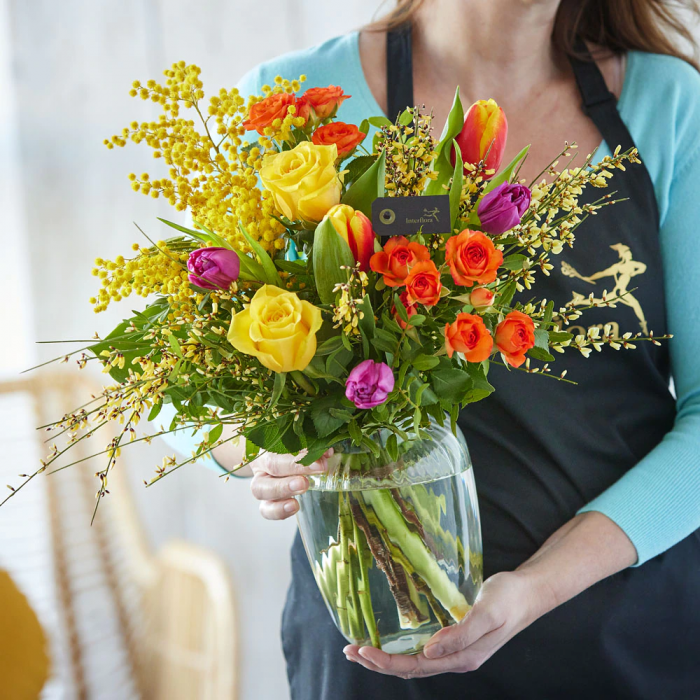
(588, 548)
(657, 503)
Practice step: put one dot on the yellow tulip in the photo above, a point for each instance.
(278, 328)
(304, 181)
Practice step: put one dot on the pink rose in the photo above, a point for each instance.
(369, 384)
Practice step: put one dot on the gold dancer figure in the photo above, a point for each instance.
(622, 272)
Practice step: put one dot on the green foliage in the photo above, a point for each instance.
(367, 187)
(330, 254)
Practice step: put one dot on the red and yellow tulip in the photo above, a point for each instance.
(484, 134)
(356, 230)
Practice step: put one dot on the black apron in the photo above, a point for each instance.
(541, 450)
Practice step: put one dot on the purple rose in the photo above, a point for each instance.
(502, 208)
(369, 384)
(213, 268)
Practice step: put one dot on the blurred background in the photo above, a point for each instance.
(65, 72)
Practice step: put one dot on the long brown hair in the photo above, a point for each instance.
(613, 25)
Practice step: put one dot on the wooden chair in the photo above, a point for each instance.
(124, 621)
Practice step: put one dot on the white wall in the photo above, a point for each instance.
(65, 70)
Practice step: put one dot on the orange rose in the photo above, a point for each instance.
(515, 335)
(345, 136)
(408, 305)
(423, 284)
(323, 101)
(472, 258)
(263, 113)
(397, 258)
(468, 335)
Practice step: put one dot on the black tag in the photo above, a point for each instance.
(402, 216)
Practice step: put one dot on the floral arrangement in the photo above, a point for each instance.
(281, 313)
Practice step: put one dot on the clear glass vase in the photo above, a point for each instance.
(394, 539)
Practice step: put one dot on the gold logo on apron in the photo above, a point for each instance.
(622, 273)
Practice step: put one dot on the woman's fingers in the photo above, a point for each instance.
(278, 478)
(286, 465)
(278, 510)
(478, 622)
(272, 488)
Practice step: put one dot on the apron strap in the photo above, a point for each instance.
(599, 104)
(399, 70)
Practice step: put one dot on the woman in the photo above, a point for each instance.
(589, 495)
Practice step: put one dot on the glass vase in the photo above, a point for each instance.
(394, 539)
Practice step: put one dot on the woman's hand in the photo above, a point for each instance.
(588, 548)
(278, 478)
(507, 603)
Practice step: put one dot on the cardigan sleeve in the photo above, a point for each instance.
(657, 502)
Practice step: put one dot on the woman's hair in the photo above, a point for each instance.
(615, 25)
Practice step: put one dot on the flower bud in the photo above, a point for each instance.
(481, 298)
(484, 134)
(213, 268)
(356, 230)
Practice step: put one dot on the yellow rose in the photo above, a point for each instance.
(278, 328)
(304, 181)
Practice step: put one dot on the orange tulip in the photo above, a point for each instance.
(484, 134)
(357, 231)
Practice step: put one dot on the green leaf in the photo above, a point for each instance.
(392, 447)
(338, 361)
(380, 122)
(251, 269)
(330, 345)
(357, 167)
(400, 308)
(443, 165)
(406, 118)
(215, 433)
(505, 175)
(251, 450)
(541, 349)
(514, 262)
(269, 434)
(330, 252)
(505, 296)
(175, 345)
(480, 388)
(280, 380)
(456, 187)
(560, 336)
(315, 452)
(416, 320)
(548, 313)
(366, 188)
(367, 325)
(295, 267)
(355, 432)
(271, 274)
(425, 362)
(155, 410)
(197, 235)
(364, 126)
(450, 384)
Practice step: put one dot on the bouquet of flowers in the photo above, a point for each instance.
(339, 294)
